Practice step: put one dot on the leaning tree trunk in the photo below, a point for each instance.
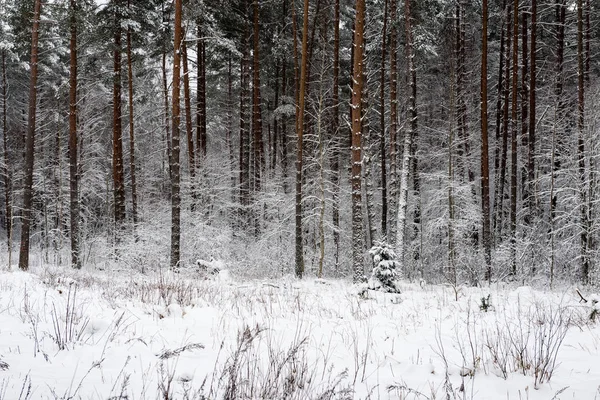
(30, 142)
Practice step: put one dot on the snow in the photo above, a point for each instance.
(98, 335)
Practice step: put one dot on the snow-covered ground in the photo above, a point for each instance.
(68, 334)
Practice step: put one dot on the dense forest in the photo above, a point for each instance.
(290, 137)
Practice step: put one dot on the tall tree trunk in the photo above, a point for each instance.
(6, 173)
(485, 171)
(357, 91)
(393, 182)
(585, 226)
(73, 160)
(132, 168)
(258, 146)
(201, 95)
(176, 179)
(336, 142)
(30, 142)
(229, 137)
(408, 136)
(382, 148)
(526, 184)
(245, 127)
(532, 105)
(188, 122)
(166, 96)
(513, 147)
(117, 156)
(299, 147)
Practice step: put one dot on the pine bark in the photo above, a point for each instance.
(30, 142)
(117, 156)
(175, 167)
(73, 159)
(356, 149)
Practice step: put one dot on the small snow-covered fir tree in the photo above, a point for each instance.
(386, 271)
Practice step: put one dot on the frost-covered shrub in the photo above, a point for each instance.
(594, 301)
(386, 271)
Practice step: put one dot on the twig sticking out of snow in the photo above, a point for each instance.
(165, 355)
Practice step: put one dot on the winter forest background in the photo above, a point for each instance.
(151, 133)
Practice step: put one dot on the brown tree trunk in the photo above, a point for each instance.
(175, 168)
(132, 168)
(357, 91)
(30, 142)
(73, 161)
(117, 156)
(485, 172)
(299, 132)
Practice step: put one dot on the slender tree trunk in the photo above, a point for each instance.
(585, 262)
(532, 105)
(299, 132)
(176, 179)
(258, 146)
(357, 91)
(382, 148)
(6, 173)
(117, 161)
(526, 184)
(30, 142)
(188, 121)
(558, 91)
(588, 39)
(230, 126)
(408, 136)
(134, 212)
(201, 96)
(485, 172)
(245, 101)
(73, 160)
(393, 182)
(166, 103)
(513, 148)
(336, 142)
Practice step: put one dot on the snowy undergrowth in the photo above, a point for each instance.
(99, 335)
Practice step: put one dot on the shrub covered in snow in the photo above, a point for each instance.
(386, 271)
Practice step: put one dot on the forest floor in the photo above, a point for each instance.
(68, 334)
